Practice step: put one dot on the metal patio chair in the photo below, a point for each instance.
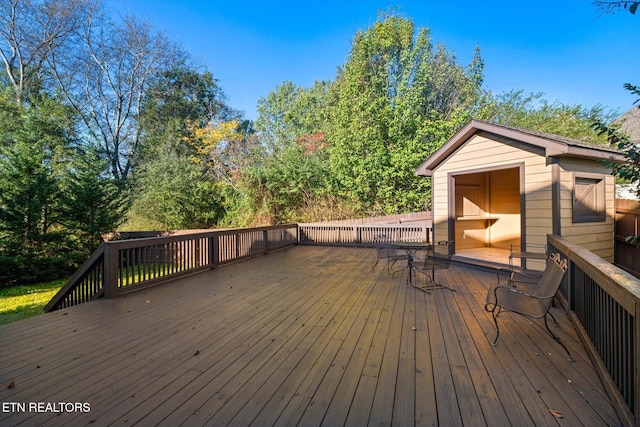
(520, 274)
(387, 252)
(438, 257)
(382, 248)
(531, 300)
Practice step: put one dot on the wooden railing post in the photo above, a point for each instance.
(214, 250)
(265, 240)
(111, 270)
(237, 243)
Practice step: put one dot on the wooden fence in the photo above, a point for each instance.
(627, 255)
(123, 266)
(604, 304)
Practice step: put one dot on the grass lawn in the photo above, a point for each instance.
(20, 302)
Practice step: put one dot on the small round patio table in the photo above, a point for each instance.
(411, 248)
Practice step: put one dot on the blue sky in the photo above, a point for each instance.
(566, 49)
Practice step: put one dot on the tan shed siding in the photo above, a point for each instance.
(440, 206)
(464, 160)
(538, 202)
(597, 237)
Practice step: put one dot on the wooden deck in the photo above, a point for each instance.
(305, 336)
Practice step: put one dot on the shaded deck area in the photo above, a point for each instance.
(305, 336)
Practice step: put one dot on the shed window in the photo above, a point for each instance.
(588, 199)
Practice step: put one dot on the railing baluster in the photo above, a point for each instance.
(606, 306)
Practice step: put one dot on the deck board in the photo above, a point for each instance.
(304, 336)
(507, 402)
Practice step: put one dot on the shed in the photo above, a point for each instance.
(494, 186)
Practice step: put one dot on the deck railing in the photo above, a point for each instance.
(362, 234)
(123, 266)
(604, 303)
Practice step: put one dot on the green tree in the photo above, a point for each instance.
(533, 112)
(630, 170)
(172, 192)
(33, 156)
(91, 202)
(286, 178)
(291, 111)
(293, 184)
(396, 100)
(27, 197)
(178, 103)
(56, 200)
(176, 98)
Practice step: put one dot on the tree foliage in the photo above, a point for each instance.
(182, 151)
(56, 198)
(531, 111)
(293, 184)
(173, 193)
(220, 147)
(287, 177)
(91, 202)
(177, 100)
(32, 164)
(398, 98)
(629, 170)
(290, 111)
(612, 6)
(127, 96)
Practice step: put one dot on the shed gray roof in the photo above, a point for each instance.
(553, 145)
(630, 124)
